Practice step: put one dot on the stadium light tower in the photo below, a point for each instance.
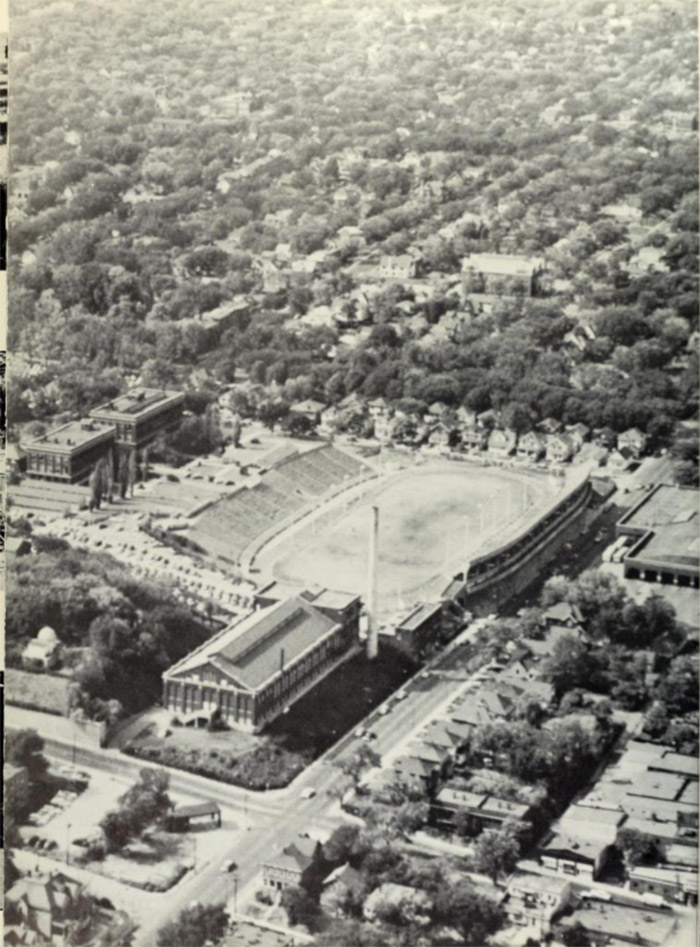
(372, 624)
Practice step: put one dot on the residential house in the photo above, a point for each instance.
(436, 756)
(579, 434)
(535, 900)
(43, 652)
(532, 445)
(274, 279)
(502, 443)
(474, 439)
(582, 841)
(478, 811)
(327, 420)
(47, 904)
(620, 460)
(550, 426)
(448, 734)
(634, 440)
(404, 266)
(560, 448)
(440, 435)
(297, 864)
(309, 409)
(466, 418)
(416, 773)
(342, 883)
(563, 613)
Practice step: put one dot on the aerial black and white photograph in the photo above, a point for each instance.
(351, 528)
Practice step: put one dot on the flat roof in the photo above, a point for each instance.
(419, 615)
(137, 402)
(623, 922)
(569, 843)
(653, 785)
(675, 544)
(503, 264)
(663, 506)
(676, 763)
(250, 652)
(322, 597)
(72, 436)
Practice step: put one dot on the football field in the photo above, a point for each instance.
(432, 519)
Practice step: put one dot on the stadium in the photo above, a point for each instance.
(305, 519)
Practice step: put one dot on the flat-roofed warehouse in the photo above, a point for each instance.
(667, 548)
(254, 669)
(141, 414)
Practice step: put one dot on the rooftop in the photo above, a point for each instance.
(503, 264)
(651, 785)
(419, 615)
(621, 922)
(665, 505)
(73, 435)
(251, 651)
(137, 402)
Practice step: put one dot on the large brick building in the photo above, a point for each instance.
(69, 453)
(140, 415)
(501, 274)
(254, 669)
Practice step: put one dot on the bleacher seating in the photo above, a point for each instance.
(228, 526)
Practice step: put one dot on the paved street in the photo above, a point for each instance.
(267, 821)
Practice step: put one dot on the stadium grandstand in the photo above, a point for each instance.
(228, 527)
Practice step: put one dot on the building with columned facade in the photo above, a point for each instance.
(253, 670)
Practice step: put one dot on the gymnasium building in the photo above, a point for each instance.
(253, 670)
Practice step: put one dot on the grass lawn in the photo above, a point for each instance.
(273, 759)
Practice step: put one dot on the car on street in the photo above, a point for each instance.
(401, 695)
(229, 865)
(369, 736)
(360, 732)
(308, 793)
(384, 710)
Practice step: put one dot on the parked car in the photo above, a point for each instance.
(308, 793)
(229, 865)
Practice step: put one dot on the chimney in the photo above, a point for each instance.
(372, 624)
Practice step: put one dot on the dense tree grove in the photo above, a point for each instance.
(118, 633)
(558, 132)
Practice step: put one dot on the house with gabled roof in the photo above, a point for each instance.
(47, 904)
(502, 443)
(634, 440)
(295, 865)
(532, 445)
(560, 448)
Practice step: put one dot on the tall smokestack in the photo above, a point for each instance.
(372, 625)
